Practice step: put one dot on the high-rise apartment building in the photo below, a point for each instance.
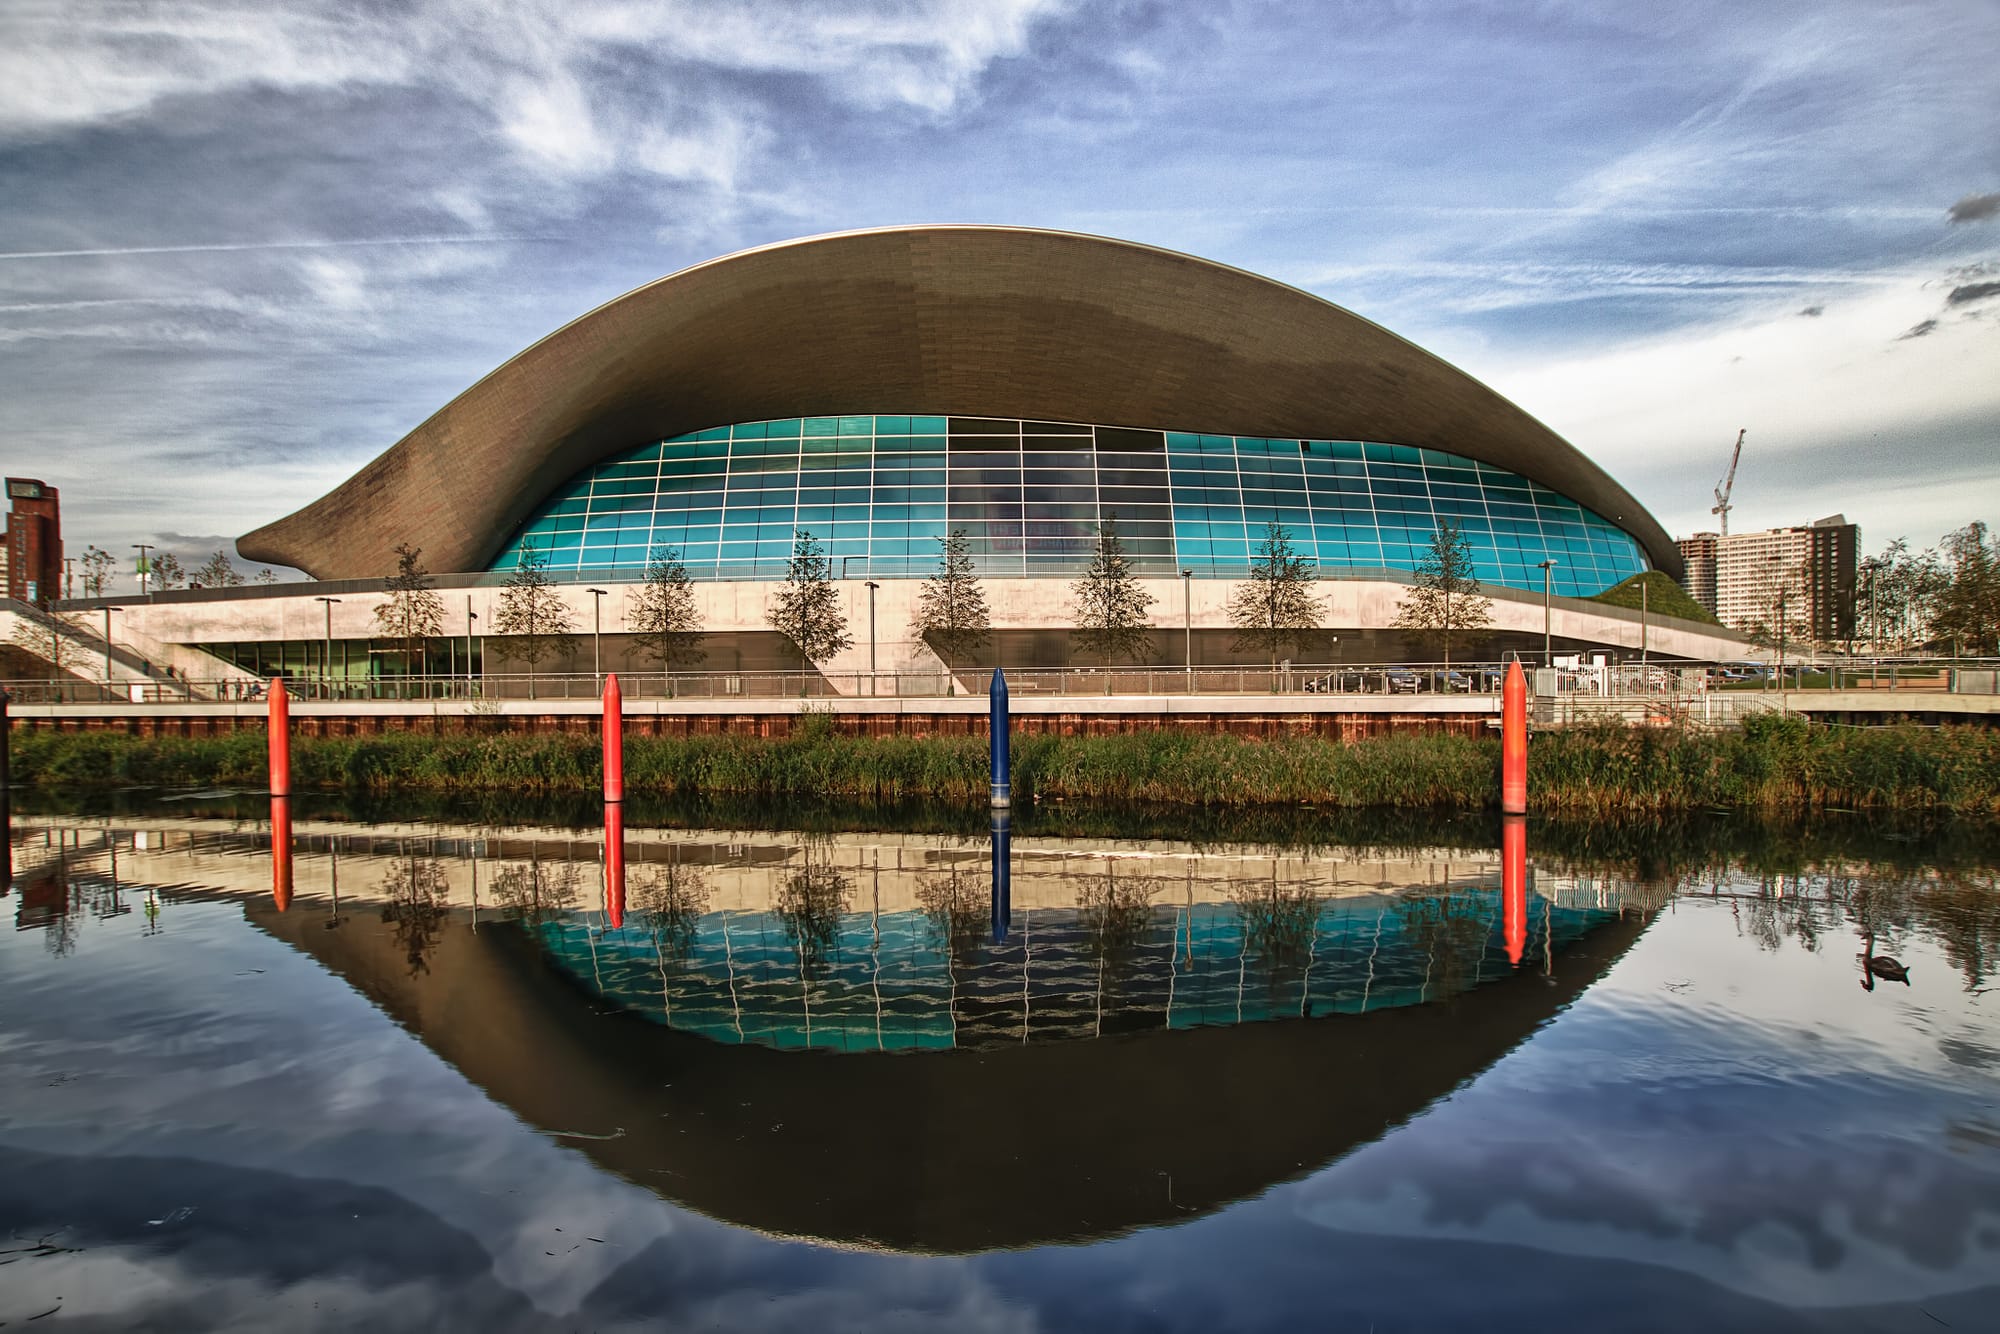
(34, 553)
(1803, 576)
(1699, 553)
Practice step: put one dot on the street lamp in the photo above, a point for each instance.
(1187, 619)
(872, 586)
(326, 649)
(145, 571)
(470, 617)
(597, 633)
(1548, 574)
(107, 643)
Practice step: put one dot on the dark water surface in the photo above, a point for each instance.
(821, 1079)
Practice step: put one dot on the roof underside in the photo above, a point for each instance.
(976, 321)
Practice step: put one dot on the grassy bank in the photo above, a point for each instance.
(1773, 764)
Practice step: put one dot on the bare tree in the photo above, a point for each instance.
(1446, 598)
(807, 609)
(951, 608)
(216, 572)
(413, 612)
(532, 621)
(97, 565)
(663, 618)
(167, 571)
(1275, 607)
(265, 576)
(1112, 612)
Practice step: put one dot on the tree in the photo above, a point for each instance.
(1111, 610)
(1967, 612)
(532, 621)
(216, 572)
(413, 612)
(167, 571)
(807, 609)
(1276, 606)
(1899, 591)
(1446, 597)
(663, 618)
(97, 565)
(265, 576)
(951, 608)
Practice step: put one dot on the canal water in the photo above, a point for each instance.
(477, 1071)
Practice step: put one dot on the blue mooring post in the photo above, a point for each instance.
(1003, 874)
(1003, 788)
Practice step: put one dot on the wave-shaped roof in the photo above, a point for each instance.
(979, 321)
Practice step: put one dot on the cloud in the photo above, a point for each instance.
(1972, 292)
(1813, 312)
(1976, 208)
(1921, 329)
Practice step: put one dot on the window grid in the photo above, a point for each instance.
(879, 491)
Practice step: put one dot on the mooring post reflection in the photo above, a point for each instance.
(1514, 884)
(1002, 837)
(614, 861)
(281, 852)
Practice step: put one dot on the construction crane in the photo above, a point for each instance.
(1728, 483)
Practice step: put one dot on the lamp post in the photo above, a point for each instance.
(872, 586)
(1187, 625)
(470, 617)
(326, 649)
(145, 570)
(1642, 629)
(1548, 578)
(107, 643)
(597, 634)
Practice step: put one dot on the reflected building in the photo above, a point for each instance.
(1162, 1031)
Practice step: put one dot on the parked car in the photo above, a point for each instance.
(1347, 681)
(1405, 681)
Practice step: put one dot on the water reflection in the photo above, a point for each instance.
(1161, 1030)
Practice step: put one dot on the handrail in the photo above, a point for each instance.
(1666, 681)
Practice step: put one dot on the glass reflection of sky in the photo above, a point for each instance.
(202, 1127)
(1029, 495)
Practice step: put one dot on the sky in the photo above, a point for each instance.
(247, 246)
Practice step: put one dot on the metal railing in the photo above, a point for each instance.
(1628, 681)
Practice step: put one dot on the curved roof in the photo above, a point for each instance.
(977, 321)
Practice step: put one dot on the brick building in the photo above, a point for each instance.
(33, 560)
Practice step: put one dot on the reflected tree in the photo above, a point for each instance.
(536, 893)
(960, 910)
(416, 892)
(1280, 922)
(1115, 912)
(810, 903)
(670, 902)
(1450, 928)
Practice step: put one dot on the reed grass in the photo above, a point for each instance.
(1771, 764)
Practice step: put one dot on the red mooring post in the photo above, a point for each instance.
(1514, 885)
(614, 863)
(614, 740)
(279, 729)
(281, 852)
(1514, 742)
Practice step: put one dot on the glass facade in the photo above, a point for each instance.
(878, 491)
